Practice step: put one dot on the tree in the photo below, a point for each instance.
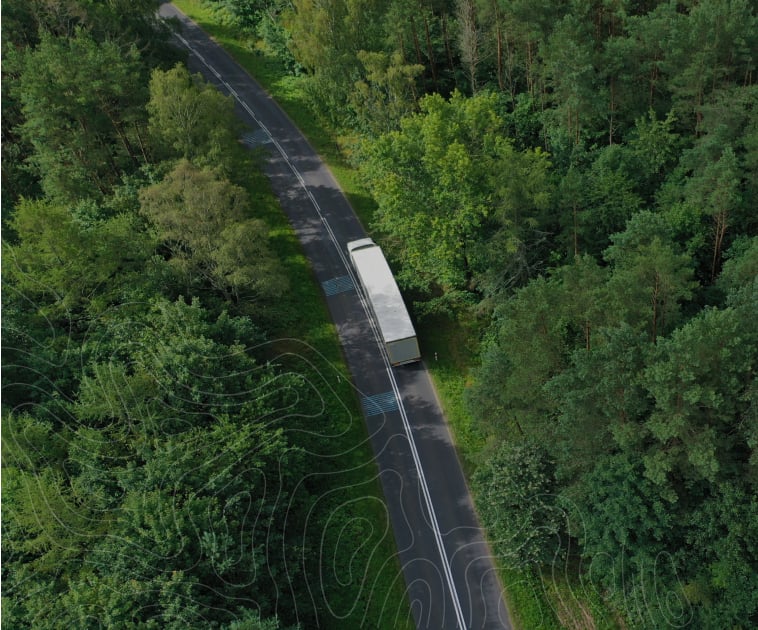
(699, 382)
(387, 94)
(65, 267)
(444, 182)
(326, 37)
(724, 584)
(526, 347)
(740, 271)
(649, 277)
(628, 534)
(191, 119)
(157, 501)
(86, 134)
(694, 71)
(516, 496)
(203, 222)
(609, 199)
(716, 192)
(45, 523)
(570, 68)
(126, 22)
(601, 402)
(654, 145)
(469, 40)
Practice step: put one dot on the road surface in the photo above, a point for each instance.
(448, 570)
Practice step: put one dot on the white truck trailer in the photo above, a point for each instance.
(390, 312)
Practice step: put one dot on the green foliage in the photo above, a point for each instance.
(72, 267)
(645, 416)
(572, 75)
(699, 382)
(643, 399)
(440, 188)
(245, 14)
(86, 133)
(650, 278)
(533, 336)
(516, 495)
(627, 530)
(203, 221)
(167, 480)
(726, 538)
(153, 451)
(601, 401)
(652, 152)
(191, 119)
(523, 352)
(126, 22)
(326, 37)
(387, 94)
(738, 277)
(276, 38)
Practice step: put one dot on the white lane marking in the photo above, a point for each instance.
(401, 407)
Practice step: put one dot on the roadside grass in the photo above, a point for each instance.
(449, 345)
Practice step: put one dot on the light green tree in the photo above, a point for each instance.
(68, 267)
(204, 222)
(191, 119)
(445, 183)
(387, 93)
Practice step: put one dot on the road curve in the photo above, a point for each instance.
(450, 578)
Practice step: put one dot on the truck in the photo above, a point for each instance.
(389, 310)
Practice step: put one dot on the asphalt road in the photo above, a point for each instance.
(450, 579)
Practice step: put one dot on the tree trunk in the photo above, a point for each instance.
(449, 51)
(613, 110)
(468, 39)
(719, 229)
(511, 84)
(430, 53)
(576, 229)
(124, 139)
(653, 79)
(654, 299)
(498, 46)
(401, 45)
(142, 146)
(528, 67)
(416, 45)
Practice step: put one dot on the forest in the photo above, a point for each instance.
(576, 178)
(166, 461)
(580, 179)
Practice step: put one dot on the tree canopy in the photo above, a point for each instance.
(583, 176)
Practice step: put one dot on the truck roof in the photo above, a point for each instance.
(379, 283)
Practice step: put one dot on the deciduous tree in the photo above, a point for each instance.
(191, 119)
(203, 221)
(516, 492)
